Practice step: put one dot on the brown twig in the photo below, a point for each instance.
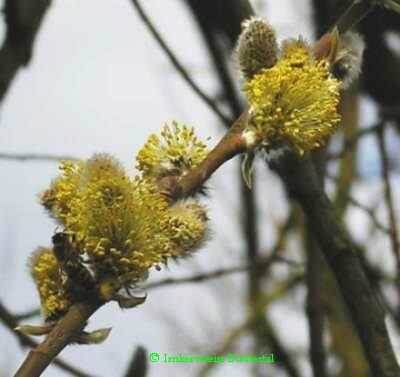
(74, 321)
(230, 146)
(10, 322)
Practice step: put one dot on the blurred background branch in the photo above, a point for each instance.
(23, 20)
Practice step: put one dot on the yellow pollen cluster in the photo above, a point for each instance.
(295, 101)
(47, 275)
(174, 153)
(122, 226)
(187, 225)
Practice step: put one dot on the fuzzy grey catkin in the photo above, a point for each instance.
(348, 61)
(257, 48)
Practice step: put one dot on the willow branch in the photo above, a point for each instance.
(63, 332)
(303, 185)
(231, 145)
(340, 252)
(10, 322)
(314, 307)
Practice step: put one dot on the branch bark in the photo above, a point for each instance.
(23, 20)
(70, 325)
(9, 320)
(302, 184)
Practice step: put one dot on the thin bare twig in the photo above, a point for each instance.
(178, 66)
(35, 157)
(393, 233)
(222, 272)
(268, 330)
(358, 10)
(369, 211)
(231, 145)
(352, 142)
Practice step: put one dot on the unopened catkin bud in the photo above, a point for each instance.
(256, 48)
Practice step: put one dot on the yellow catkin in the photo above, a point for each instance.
(174, 153)
(295, 101)
(58, 197)
(47, 275)
(187, 226)
(122, 226)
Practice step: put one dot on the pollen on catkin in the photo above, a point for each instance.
(174, 153)
(187, 226)
(47, 275)
(74, 177)
(122, 226)
(116, 221)
(256, 48)
(295, 101)
(57, 197)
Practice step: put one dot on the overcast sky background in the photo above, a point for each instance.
(99, 83)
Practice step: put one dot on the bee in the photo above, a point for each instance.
(79, 280)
